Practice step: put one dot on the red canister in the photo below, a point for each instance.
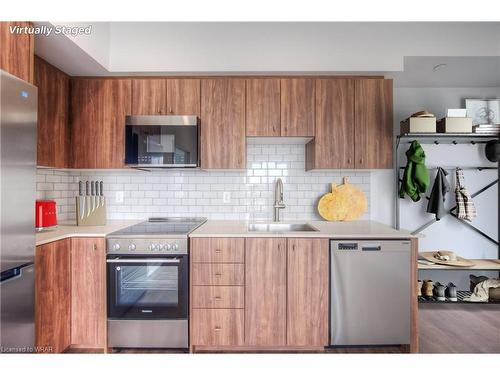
(45, 214)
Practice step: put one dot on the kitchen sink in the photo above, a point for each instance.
(281, 227)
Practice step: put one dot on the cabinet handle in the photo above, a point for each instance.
(94, 247)
(218, 274)
(170, 110)
(217, 328)
(349, 161)
(361, 161)
(217, 298)
(217, 250)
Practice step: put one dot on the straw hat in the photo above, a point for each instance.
(446, 257)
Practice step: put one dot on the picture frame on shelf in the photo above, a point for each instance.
(483, 111)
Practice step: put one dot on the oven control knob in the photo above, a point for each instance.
(151, 247)
(167, 246)
(132, 247)
(116, 246)
(161, 247)
(175, 247)
(156, 247)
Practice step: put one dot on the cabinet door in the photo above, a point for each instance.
(17, 51)
(183, 96)
(223, 143)
(307, 292)
(149, 97)
(265, 292)
(333, 145)
(263, 107)
(98, 110)
(116, 95)
(373, 123)
(297, 107)
(88, 293)
(53, 122)
(52, 296)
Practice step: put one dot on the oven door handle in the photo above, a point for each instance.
(142, 260)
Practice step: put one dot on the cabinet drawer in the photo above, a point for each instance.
(216, 327)
(218, 250)
(221, 297)
(218, 274)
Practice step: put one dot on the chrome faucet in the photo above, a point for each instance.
(278, 199)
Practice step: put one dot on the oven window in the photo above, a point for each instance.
(147, 285)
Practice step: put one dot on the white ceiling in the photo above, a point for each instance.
(405, 51)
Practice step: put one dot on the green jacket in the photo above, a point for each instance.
(416, 176)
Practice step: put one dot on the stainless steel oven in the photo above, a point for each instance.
(162, 141)
(148, 284)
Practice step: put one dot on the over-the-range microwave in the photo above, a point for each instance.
(162, 141)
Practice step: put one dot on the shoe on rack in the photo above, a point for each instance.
(439, 292)
(451, 292)
(427, 289)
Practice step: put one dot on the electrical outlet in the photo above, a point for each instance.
(226, 197)
(119, 197)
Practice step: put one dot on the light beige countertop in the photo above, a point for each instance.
(237, 228)
(70, 229)
(354, 229)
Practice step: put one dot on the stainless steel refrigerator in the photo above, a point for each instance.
(18, 143)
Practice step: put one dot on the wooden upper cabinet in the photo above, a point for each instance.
(98, 110)
(223, 143)
(53, 296)
(183, 96)
(149, 97)
(265, 291)
(17, 51)
(307, 292)
(165, 96)
(263, 107)
(297, 107)
(373, 113)
(53, 121)
(334, 143)
(88, 293)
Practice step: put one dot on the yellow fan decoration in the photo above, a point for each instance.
(344, 203)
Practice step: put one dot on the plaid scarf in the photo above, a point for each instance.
(465, 206)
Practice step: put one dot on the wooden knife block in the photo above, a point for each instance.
(90, 210)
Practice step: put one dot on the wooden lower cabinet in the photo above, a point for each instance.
(88, 293)
(53, 297)
(217, 327)
(70, 295)
(307, 292)
(265, 292)
(275, 297)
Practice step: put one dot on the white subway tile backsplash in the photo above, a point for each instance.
(200, 193)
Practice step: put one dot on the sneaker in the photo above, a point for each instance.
(451, 292)
(439, 290)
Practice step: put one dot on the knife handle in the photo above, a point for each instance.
(87, 187)
(80, 188)
(101, 188)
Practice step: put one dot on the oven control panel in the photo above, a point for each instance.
(147, 246)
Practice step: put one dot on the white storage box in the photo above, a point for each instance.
(418, 125)
(455, 125)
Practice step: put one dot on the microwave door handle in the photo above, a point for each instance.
(143, 260)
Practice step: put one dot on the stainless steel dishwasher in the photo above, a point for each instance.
(369, 292)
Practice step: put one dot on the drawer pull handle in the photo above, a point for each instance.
(217, 250)
(218, 274)
(217, 298)
(217, 328)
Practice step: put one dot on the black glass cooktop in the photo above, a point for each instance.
(162, 226)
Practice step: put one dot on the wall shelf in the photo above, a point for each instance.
(480, 264)
(461, 294)
(447, 138)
